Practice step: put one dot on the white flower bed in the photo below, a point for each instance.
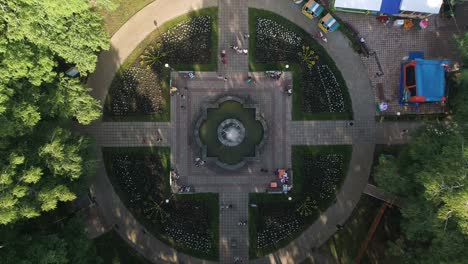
(271, 29)
(330, 167)
(139, 91)
(276, 229)
(332, 89)
(187, 29)
(187, 239)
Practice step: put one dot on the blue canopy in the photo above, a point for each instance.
(430, 79)
(390, 7)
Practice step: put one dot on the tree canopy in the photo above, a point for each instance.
(38, 34)
(66, 243)
(431, 176)
(41, 170)
(42, 162)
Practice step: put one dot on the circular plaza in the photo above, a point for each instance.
(212, 155)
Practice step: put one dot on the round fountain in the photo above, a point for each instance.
(231, 132)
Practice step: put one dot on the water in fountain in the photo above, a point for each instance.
(231, 132)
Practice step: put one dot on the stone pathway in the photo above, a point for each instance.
(233, 25)
(233, 188)
(234, 239)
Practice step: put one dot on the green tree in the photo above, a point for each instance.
(37, 34)
(462, 45)
(64, 244)
(386, 174)
(41, 170)
(431, 175)
(41, 162)
(39, 40)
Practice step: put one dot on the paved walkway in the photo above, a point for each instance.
(233, 25)
(362, 133)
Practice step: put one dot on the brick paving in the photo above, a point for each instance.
(274, 105)
(391, 44)
(233, 25)
(233, 187)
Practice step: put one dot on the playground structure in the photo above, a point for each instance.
(422, 80)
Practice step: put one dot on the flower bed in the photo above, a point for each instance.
(318, 88)
(188, 42)
(141, 87)
(137, 90)
(278, 224)
(318, 174)
(322, 176)
(141, 178)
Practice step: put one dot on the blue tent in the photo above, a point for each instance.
(422, 80)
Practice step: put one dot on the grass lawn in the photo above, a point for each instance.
(114, 250)
(344, 245)
(276, 207)
(114, 19)
(140, 176)
(297, 113)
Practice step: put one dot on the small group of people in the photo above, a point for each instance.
(184, 189)
(223, 57)
(319, 35)
(226, 206)
(199, 162)
(274, 74)
(242, 223)
(174, 178)
(238, 260)
(239, 50)
(288, 91)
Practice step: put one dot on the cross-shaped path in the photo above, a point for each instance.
(363, 134)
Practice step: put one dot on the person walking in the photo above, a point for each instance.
(404, 132)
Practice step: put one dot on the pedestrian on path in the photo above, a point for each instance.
(224, 61)
(234, 47)
(245, 51)
(404, 132)
(223, 54)
(246, 36)
(239, 51)
(249, 80)
(225, 78)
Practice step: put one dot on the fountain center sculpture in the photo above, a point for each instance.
(231, 132)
